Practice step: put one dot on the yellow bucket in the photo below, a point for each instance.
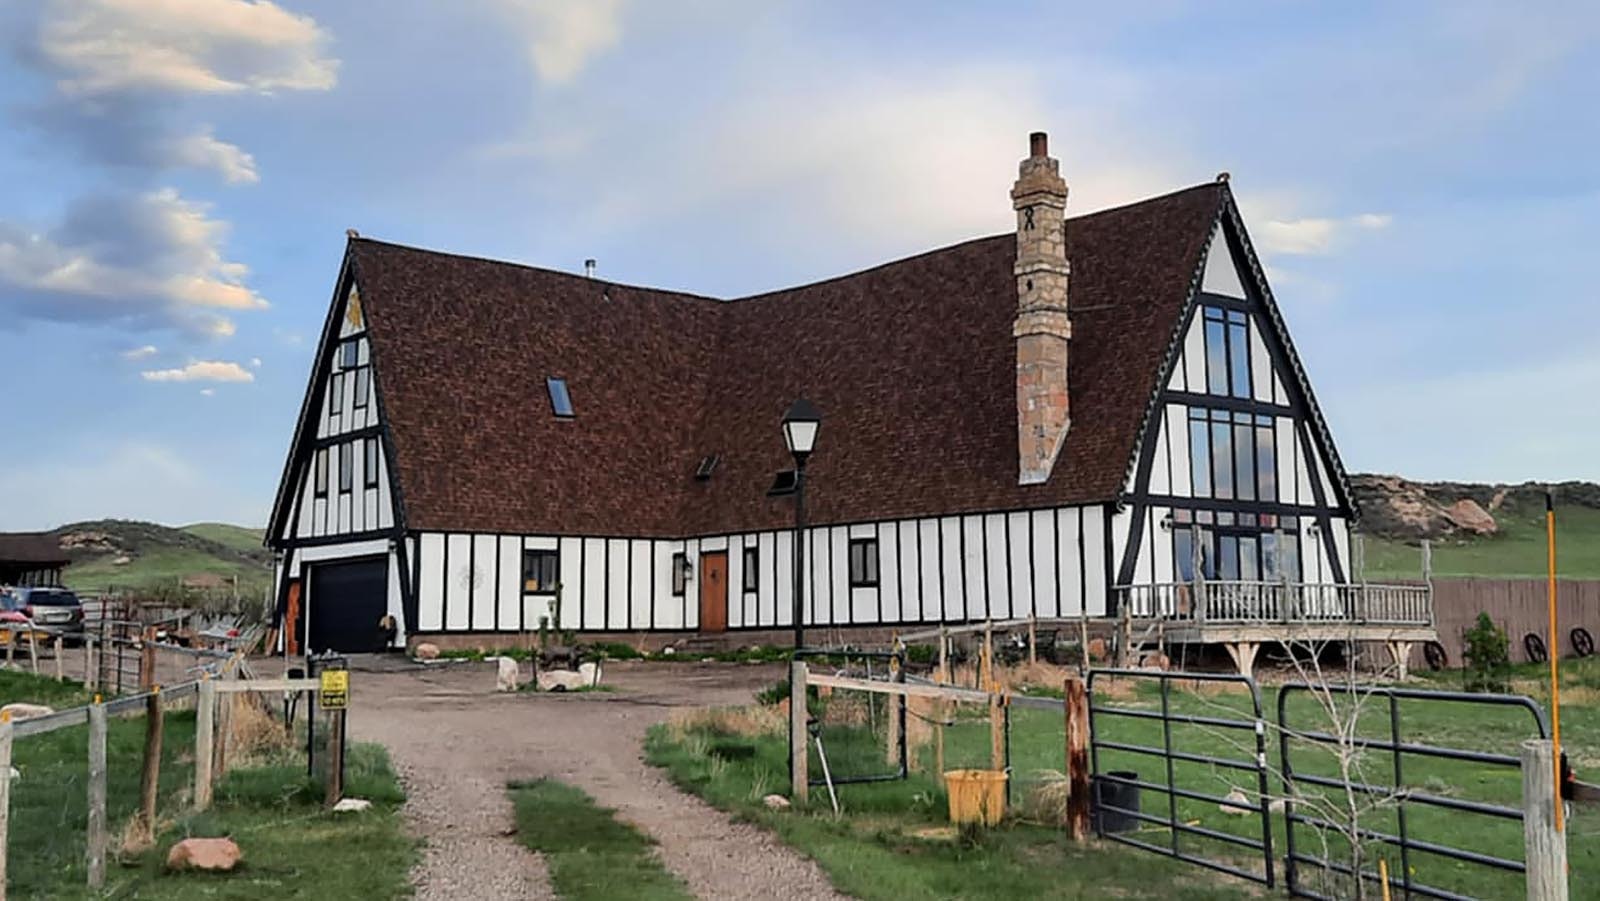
(976, 796)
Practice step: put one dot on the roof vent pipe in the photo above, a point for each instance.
(588, 268)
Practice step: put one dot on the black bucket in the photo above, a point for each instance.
(1112, 801)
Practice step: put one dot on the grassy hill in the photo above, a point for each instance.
(1397, 515)
(130, 554)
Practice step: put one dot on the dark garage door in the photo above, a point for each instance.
(346, 601)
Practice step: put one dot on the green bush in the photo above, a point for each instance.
(1488, 656)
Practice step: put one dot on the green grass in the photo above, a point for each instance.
(875, 851)
(239, 538)
(163, 567)
(292, 848)
(591, 855)
(893, 842)
(1518, 549)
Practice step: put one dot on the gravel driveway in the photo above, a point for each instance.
(456, 743)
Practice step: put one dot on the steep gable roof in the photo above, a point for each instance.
(911, 362)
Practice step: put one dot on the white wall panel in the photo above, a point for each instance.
(954, 587)
(1161, 546)
(923, 543)
(457, 581)
(839, 575)
(1178, 447)
(508, 586)
(1194, 355)
(1261, 373)
(639, 583)
(1043, 554)
(976, 581)
(1094, 526)
(484, 604)
(430, 583)
(571, 607)
(1068, 549)
(1161, 463)
(1019, 580)
(782, 604)
(891, 582)
(614, 583)
(994, 566)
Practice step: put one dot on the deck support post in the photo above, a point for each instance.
(1400, 653)
(1244, 656)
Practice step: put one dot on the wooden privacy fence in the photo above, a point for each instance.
(210, 752)
(1520, 606)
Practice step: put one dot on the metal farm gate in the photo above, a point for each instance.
(1397, 792)
(1185, 745)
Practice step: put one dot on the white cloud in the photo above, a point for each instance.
(201, 371)
(1313, 235)
(183, 46)
(563, 36)
(208, 392)
(139, 353)
(151, 260)
(255, 362)
(203, 151)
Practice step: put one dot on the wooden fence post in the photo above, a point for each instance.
(204, 726)
(938, 706)
(1076, 701)
(88, 664)
(335, 781)
(33, 651)
(5, 796)
(60, 676)
(892, 737)
(1546, 845)
(799, 779)
(997, 730)
(147, 658)
(223, 723)
(97, 837)
(150, 775)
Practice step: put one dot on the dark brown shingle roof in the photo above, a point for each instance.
(31, 547)
(911, 362)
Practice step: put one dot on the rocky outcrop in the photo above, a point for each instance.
(1403, 510)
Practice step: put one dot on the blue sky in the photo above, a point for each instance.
(178, 176)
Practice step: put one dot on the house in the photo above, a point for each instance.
(31, 558)
(1089, 414)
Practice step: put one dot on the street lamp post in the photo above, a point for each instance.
(800, 426)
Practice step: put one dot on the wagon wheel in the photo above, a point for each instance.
(1534, 647)
(1582, 642)
(1435, 654)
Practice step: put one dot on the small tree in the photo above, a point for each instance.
(1488, 656)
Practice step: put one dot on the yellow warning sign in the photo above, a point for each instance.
(335, 693)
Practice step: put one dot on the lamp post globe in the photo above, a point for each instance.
(800, 426)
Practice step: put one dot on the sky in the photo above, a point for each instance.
(176, 177)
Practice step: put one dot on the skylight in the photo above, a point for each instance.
(560, 400)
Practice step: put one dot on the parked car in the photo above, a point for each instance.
(56, 610)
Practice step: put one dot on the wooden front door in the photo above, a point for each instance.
(714, 592)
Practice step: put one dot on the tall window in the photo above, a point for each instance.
(336, 394)
(863, 562)
(350, 353)
(1232, 456)
(680, 575)
(752, 573)
(541, 572)
(369, 462)
(362, 377)
(320, 469)
(1227, 335)
(347, 469)
(1236, 546)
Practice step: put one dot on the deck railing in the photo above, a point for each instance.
(1233, 602)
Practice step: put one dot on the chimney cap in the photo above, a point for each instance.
(588, 267)
(1038, 144)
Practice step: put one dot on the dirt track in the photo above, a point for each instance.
(457, 743)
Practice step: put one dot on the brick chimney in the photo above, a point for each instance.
(1042, 328)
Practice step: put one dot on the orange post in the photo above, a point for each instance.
(1555, 657)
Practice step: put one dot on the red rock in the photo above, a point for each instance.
(216, 854)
